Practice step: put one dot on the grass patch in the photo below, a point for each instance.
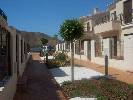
(102, 89)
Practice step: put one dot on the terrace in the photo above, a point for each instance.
(106, 22)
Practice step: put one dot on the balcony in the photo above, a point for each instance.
(107, 27)
(88, 35)
(3, 19)
(127, 26)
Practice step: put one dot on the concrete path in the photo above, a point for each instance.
(125, 76)
(40, 84)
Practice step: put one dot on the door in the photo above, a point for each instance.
(113, 47)
(89, 50)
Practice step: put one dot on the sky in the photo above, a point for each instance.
(47, 15)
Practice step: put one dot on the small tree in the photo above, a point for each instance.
(71, 30)
(44, 41)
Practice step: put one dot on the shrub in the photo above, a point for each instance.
(62, 59)
(102, 89)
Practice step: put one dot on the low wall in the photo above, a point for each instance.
(119, 64)
(9, 88)
(83, 57)
(23, 65)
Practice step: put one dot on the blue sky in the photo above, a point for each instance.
(47, 15)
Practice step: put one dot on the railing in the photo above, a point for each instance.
(3, 14)
(101, 18)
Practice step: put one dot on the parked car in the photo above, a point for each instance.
(36, 49)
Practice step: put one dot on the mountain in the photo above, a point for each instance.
(34, 38)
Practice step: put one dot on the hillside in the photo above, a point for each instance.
(33, 38)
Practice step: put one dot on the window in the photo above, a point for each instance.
(113, 16)
(5, 63)
(67, 44)
(82, 45)
(128, 11)
(77, 47)
(96, 49)
(113, 47)
(88, 26)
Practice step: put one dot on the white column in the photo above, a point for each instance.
(106, 47)
(56, 47)
(92, 49)
(85, 48)
(59, 47)
(70, 47)
(63, 47)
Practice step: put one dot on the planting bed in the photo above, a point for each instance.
(101, 88)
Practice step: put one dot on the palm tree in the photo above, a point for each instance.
(71, 30)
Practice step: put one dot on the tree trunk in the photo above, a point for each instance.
(80, 48)
(72, 61)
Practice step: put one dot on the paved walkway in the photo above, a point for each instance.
(40, 84)
(115, 73)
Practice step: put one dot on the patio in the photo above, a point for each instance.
(63, 74)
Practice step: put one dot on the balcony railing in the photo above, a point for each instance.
(3, 14)
(106, 27)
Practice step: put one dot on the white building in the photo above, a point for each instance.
(108, 33)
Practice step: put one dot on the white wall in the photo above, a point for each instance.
(92, 49)
(56, 47)
(128, 47)
(85, 49)
(76, 56)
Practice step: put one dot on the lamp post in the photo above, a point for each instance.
(46, 50)
(106, 65)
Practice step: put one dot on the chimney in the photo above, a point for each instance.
(95, 11)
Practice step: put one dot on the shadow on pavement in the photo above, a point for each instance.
(39, 84)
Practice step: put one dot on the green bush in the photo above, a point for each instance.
(75, 93)
(61, 59)
(130, 86)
